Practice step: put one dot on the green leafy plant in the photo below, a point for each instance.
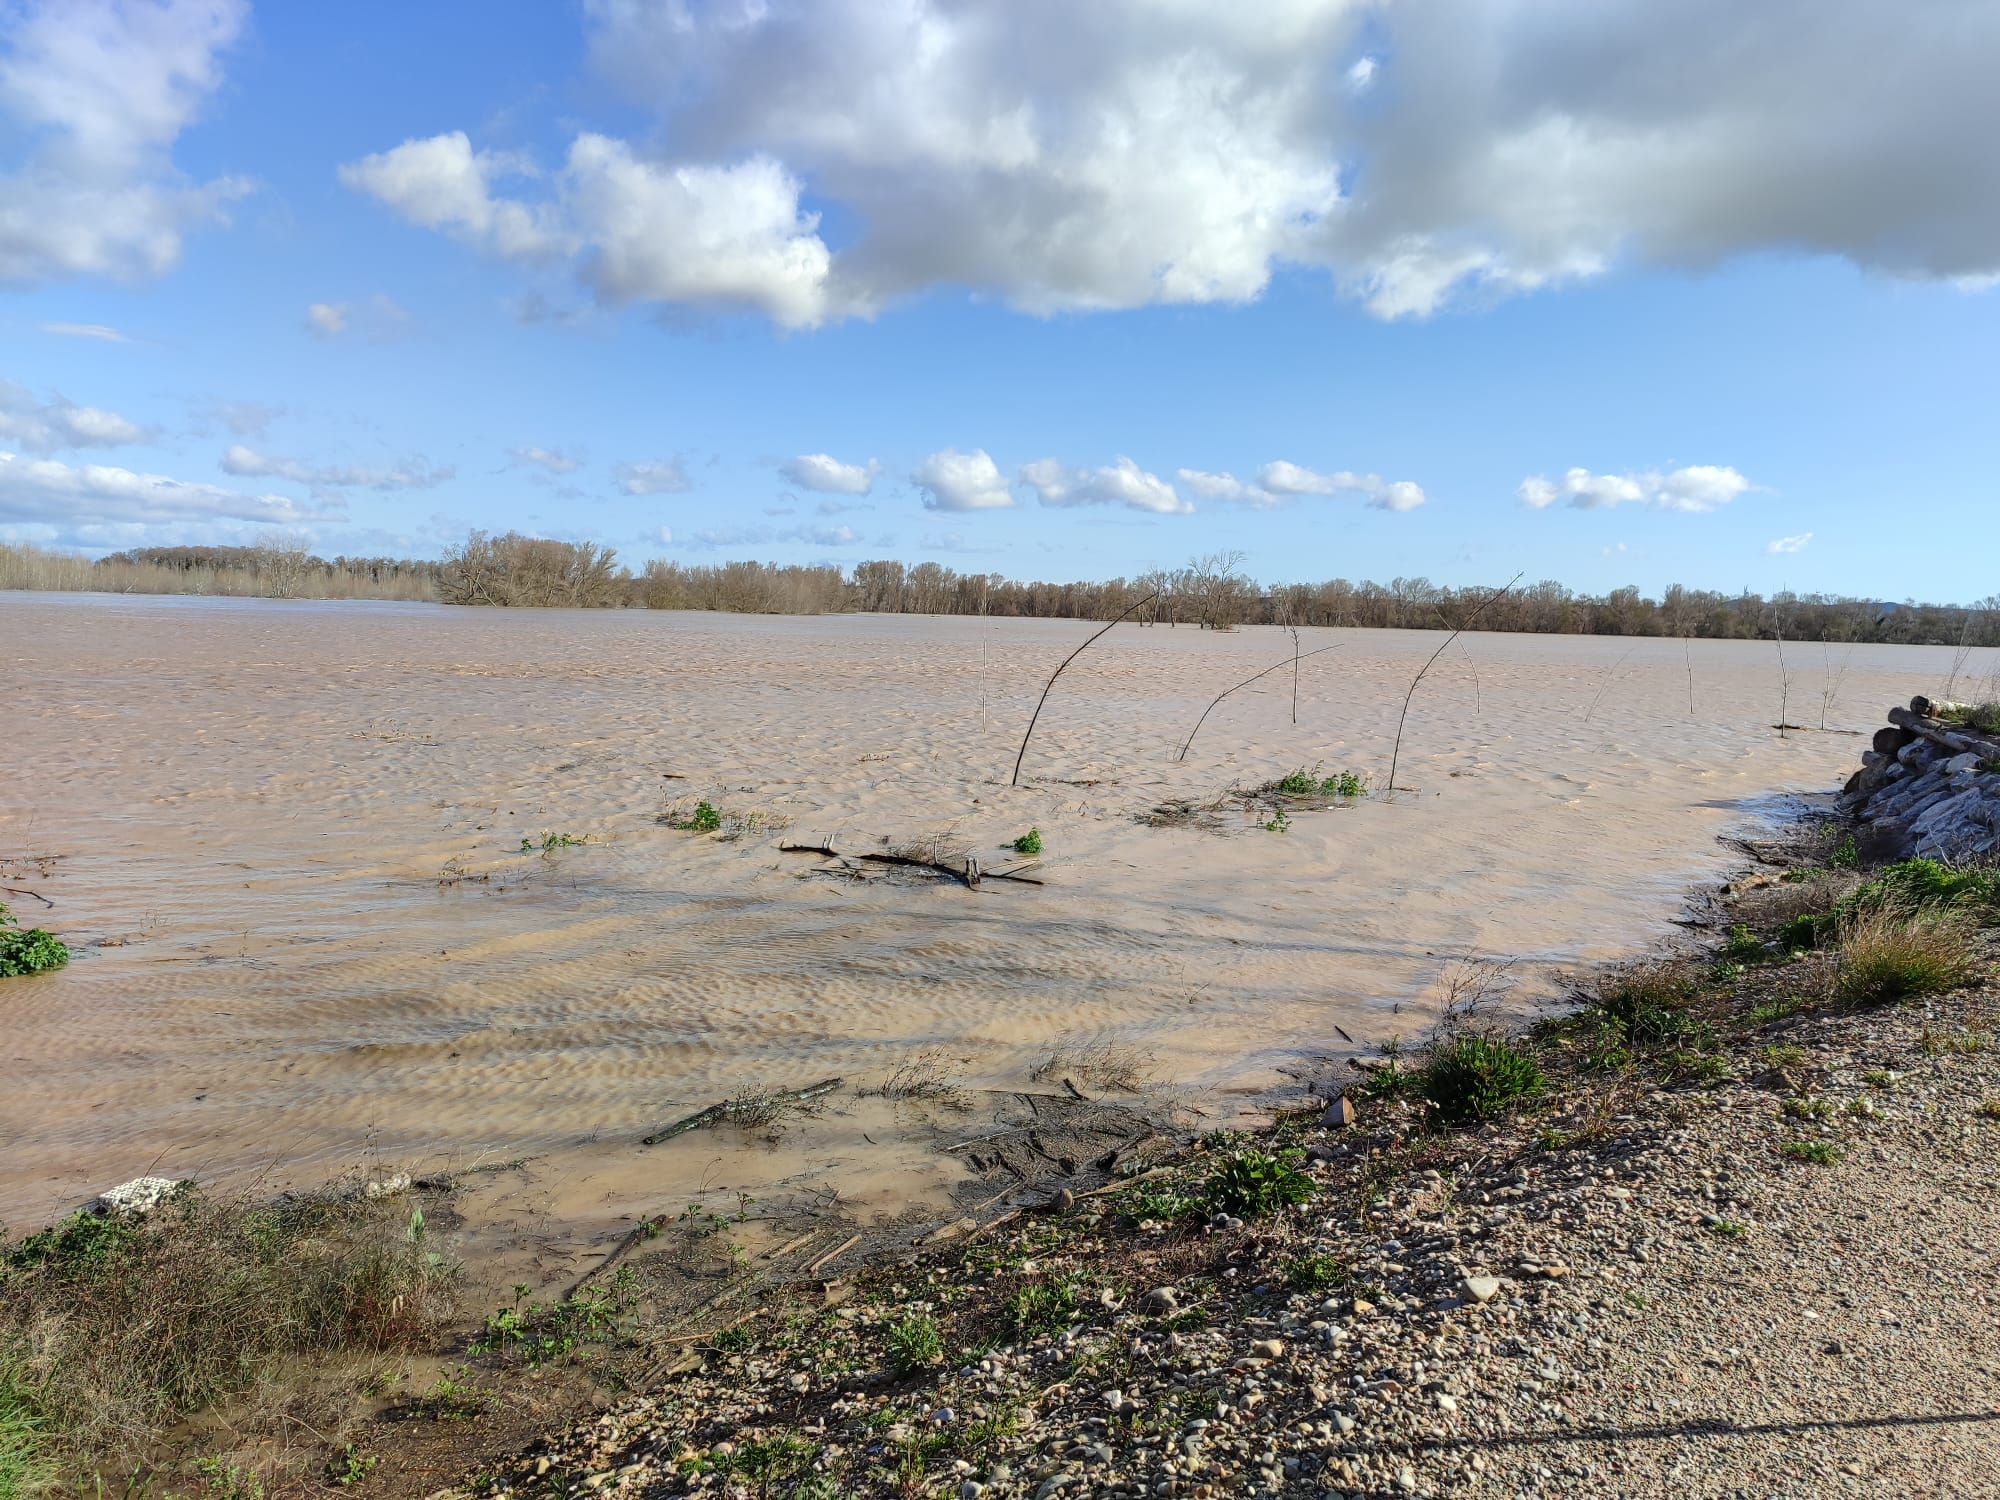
(1744, 946)
(734, 1341)
(1252, 1184)
(27, 950)
(704, 819)
(540, 1334)
(915, 1343)
(1846, 854)
(1473, 1076)
(1304, 783)
(1279, 823)
(452, 1401)
(351, 1466)
(1029, 842)
(225, 1481)
(1820, 1153)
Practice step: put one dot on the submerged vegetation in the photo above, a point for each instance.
(29, 950)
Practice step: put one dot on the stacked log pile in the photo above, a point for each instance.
(1929, 786)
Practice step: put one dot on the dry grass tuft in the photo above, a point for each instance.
(1887, 954)
(1113, 1067)
(931, 1077)
(1770, 907)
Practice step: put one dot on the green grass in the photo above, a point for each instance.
(1809, 1109)
(1744, 946)
(1982, 718)
(1820, 1153)
(1474, 1076)
(1920, 884)
(915, 1343)
(1887, 956)
(24, 1465)
(1779, 1008)
(1316, 1273)
(1647, 1003)
(27, 950)
(1029, 842)
(1048, 1306)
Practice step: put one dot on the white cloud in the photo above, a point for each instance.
(45, 426)
(952, 480)
(818, 471)
(710, 538)
(1124, 483)
(667, 477)
(1132, 152)
(412, 474)
(327, 319)
(550, 460)
(244, 418)
(98, 91)
(1700, 487)
(442, 183)
(96, 331)
(1785, 544)
(1399, 495)
(730, 236)
(1228, 489)
(55, 494)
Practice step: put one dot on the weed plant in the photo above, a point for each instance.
(915, 1343)
(1473, 1076)
(1309, 783)
(1889, 955)
(1029, 842)
(1252, 1184)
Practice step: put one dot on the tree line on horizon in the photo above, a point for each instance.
(1209, 592)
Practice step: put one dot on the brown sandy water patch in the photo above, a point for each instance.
(290, 839)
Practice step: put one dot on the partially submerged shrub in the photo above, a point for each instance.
(1029, 842)
(1473, 1075)
(27, 950)
(1309, 783)
(1889, 955)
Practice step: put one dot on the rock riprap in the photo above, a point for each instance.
(1929, 785)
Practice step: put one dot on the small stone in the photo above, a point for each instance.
(972, 1489)
(1160, 1301)
(1447, 1402)
(1339, 1114)
(1269, 1349)
(1344, 1422)
(388, 1187)
(1065, 1201)
(1479, 1288)
(1406, 1481)
(135, 1199)
(1363, 1308)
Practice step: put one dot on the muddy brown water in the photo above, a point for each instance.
(285, 840)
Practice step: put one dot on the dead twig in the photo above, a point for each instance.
(1395, 753)
(1015, 780)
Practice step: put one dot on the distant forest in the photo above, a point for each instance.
(1211, 592)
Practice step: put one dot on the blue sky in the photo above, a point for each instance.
(1677, 295)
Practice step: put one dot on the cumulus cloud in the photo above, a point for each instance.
(327, 319)
(1699, 487)
(952, 480)
(98, 331)
(45, 426)
(1123, 483)
(66, 498)
(689, 233)
(1125, 153)
(412, 474)
(97, 92)
(667, 477)
(1282, 478)
(550, 460)
(818, 471)
(1785, 544)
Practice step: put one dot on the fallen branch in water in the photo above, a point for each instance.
(750, 1109)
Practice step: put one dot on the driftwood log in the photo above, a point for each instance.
(749, 1107)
